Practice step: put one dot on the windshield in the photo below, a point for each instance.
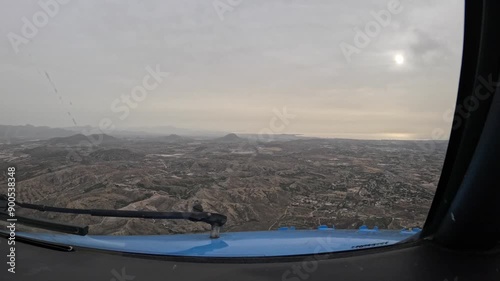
(273, 114)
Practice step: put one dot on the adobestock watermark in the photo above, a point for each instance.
(309, 265)
(372, 29)
(121, 276)
(482, 91)
(121, 106)
(223, 6)
(277, 124)
(32, 25)
(139, 93)
(463, 111)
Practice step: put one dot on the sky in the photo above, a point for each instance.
(244, 66)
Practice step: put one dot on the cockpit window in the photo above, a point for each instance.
(278, 116)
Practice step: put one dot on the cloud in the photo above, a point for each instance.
(264, 54)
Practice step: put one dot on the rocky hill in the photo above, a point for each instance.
(229, 138)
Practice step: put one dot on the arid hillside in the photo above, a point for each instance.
(259, 186)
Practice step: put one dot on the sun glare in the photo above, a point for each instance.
(399, 59)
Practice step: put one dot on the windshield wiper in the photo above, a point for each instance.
(47, 224)
(215, 220)
(39, 223)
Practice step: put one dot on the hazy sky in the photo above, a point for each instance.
(231, 63)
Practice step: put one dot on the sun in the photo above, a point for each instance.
(399, 59)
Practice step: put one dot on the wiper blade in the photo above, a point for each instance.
(48, 225)
(39, 223)
(215, 220)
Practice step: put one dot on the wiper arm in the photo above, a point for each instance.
(215, 220)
